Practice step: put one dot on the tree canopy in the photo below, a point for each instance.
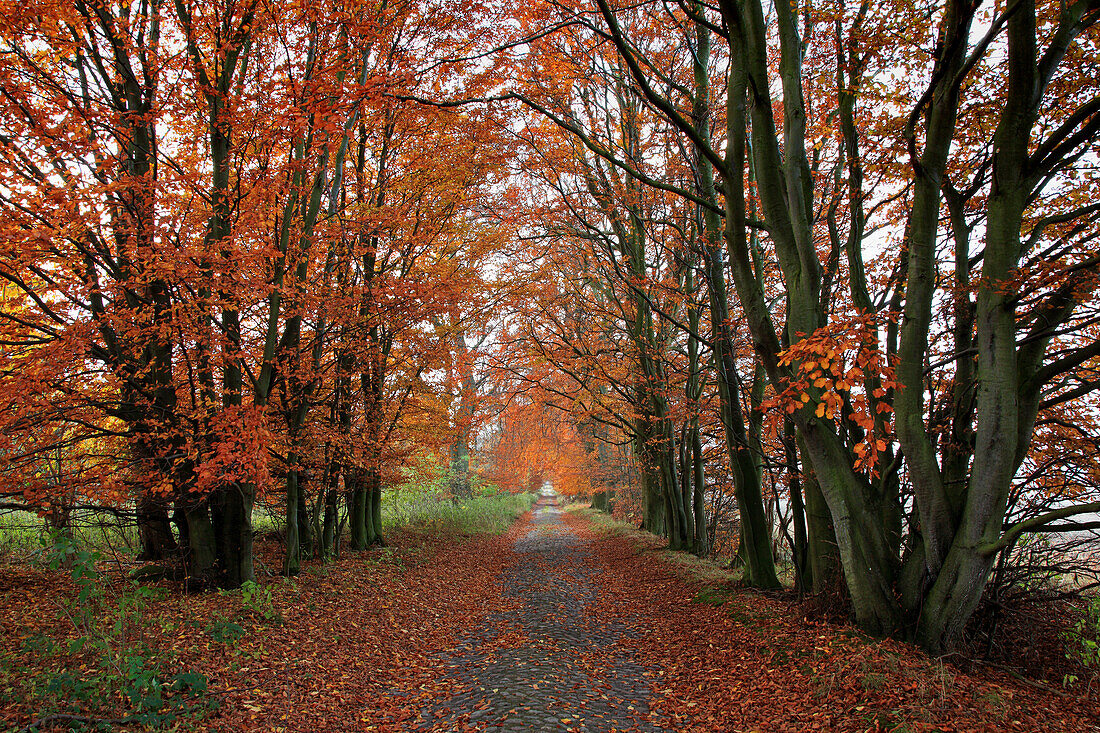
(828, 268)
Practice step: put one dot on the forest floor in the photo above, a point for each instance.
(567, 622)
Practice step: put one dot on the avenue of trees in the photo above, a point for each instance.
(832, 264)
(234, 266)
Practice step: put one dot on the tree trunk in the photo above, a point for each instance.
(759, 562)
(232, 520)
(201, 553)
(823, 552)
(155, 530)
(292, 560)
(702, 539)
(357, 510)
(653, 516)
(800, 552)
(329, 528)
(305, 527)
(460, 468)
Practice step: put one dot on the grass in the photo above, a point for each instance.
(602, 521)
(23, 533)
(714, 595)
(480, 514)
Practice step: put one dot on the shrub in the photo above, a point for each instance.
(1083, 641)
(119, 668)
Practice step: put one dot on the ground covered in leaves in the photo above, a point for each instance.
(728, 659)
(414, 636)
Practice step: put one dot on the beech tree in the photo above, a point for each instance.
(83, 252)
(268, 235)
(927, 587)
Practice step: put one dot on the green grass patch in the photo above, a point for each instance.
(603, 522)
(715, 595)
(491, 514)
(20, 532)
(424, 497)
(24, 533)
(480, 514)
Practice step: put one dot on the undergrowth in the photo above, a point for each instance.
(491, 514)
(100, 671)
(23, 533)
(104, 659)
(1082, 640)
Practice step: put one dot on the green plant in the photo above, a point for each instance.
(119, 667)
(1082, 640)
(258, 601)
(224, 631)
(387, 556)
(62, 552)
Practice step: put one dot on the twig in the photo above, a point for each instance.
(1016, 675)
(64, 717)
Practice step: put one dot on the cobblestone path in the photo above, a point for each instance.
(570, 673)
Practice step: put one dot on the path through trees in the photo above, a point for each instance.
(813, 287)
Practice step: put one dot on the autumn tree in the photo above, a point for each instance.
(269, 235)
(88, 293)
(929, 590)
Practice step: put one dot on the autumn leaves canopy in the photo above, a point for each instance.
(834, 262)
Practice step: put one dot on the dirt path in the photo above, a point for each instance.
(590, 626)
(568, 670)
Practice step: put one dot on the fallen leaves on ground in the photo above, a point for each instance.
(351, 633)
(363, 644)
(724, 658)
